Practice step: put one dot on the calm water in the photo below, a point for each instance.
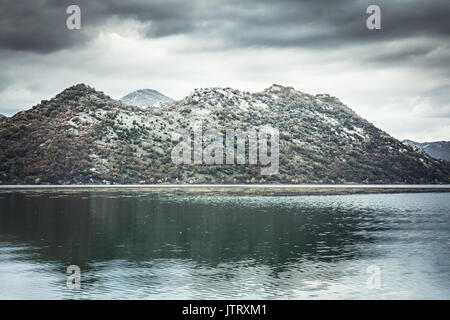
(148, 246)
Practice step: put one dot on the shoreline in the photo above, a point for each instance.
(258, 190)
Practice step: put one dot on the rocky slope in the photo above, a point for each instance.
(438, 149)
(146, 98)
(84, 136)
(2, 118)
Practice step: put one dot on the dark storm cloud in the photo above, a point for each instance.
(40, 25)
(34, 26)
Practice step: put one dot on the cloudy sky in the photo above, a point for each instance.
(397, 77)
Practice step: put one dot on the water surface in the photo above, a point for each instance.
(142, 245)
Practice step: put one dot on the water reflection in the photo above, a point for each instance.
(132, 245)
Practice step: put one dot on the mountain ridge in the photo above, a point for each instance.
(82, 136)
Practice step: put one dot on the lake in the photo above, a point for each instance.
(132, 244)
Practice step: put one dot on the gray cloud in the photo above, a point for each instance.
(315, 45)
(40, 25)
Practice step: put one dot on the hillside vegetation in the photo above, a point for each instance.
(82, 136)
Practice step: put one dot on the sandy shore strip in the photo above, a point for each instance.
(258, 190)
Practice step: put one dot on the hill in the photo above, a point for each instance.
(84, 136)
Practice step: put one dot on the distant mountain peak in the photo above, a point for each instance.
(147, 91)
(146, 98)
(437, 149)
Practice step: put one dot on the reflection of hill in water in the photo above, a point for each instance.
(79, 228)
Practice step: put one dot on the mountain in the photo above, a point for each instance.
(438, 150)
(2, 118)
(84, 136)
(146, 98)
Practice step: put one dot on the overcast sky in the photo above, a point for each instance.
(397, 77)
